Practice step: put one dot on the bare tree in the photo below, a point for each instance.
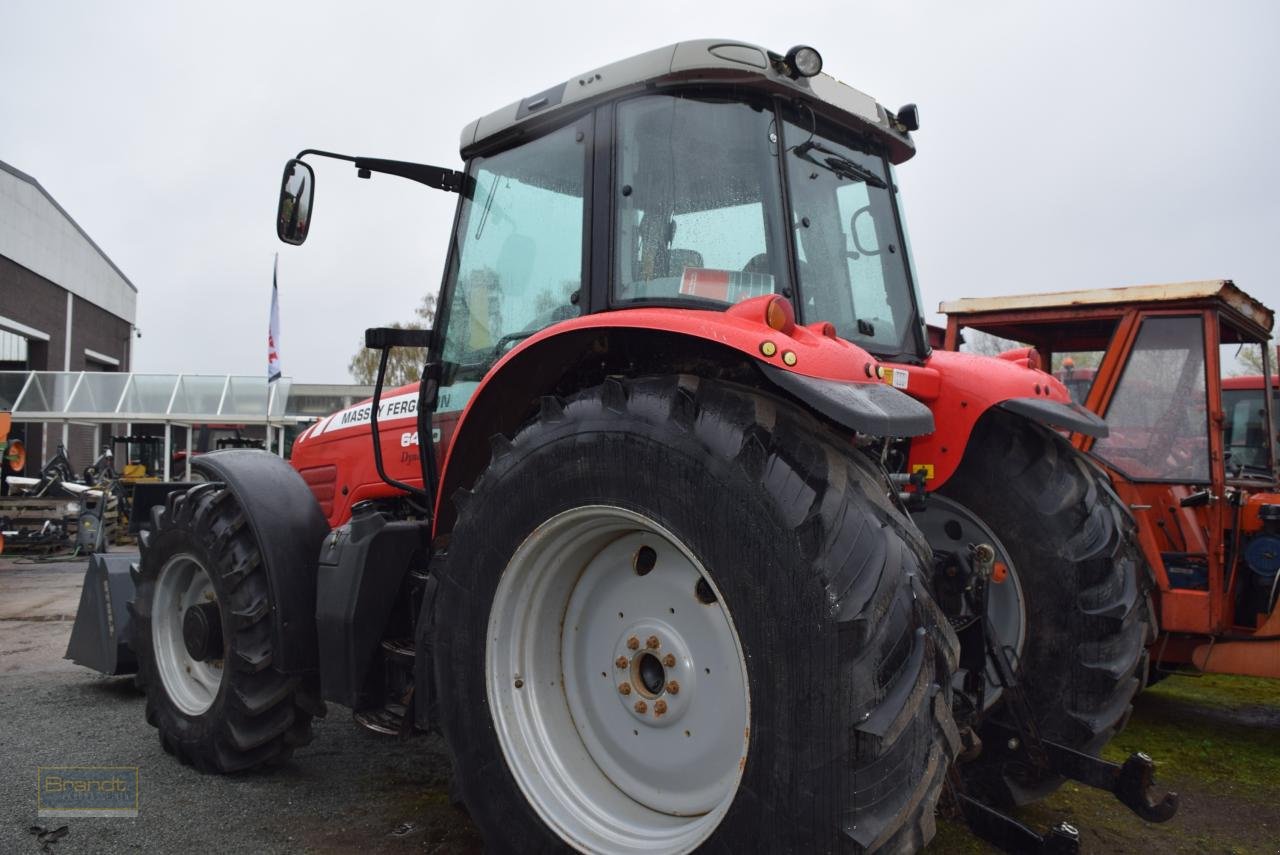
(986, 344)
(1247, 359)
(404, 365)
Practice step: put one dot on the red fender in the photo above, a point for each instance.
(333, 455)
(812, 351)
(959, 388)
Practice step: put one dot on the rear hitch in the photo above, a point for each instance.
(1132, 783)
(1018, 739)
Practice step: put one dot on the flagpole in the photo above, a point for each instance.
(272, 348)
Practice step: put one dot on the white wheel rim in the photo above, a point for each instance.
(573, 621)
(190, 683)
(1006, 603)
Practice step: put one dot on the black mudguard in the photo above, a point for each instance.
(362, 568)
(100, 635)
(287, 524)
(869, 408)
(1072, 416)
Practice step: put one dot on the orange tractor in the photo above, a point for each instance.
(13, 459)
(1190, 453)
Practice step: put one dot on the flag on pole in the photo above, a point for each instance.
(273, 333)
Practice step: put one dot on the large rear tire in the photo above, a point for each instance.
(763, 564)
(1084, 587)
(202, 633)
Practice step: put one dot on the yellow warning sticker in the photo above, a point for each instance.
(896, 377)
(927, 468)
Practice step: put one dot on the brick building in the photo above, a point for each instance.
(64, 305)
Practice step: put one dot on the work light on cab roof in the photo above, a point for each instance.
(804, 61)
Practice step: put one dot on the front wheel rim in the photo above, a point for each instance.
(191, 684)
(617, 683)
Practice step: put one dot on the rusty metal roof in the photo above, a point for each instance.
(1223, 290)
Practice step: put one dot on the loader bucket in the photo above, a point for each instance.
(100, 635)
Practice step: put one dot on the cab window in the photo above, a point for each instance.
(518, 266)
(697, 201)
(1158, 417)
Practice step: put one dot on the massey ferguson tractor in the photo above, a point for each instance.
(1191, 453)
(646, 542)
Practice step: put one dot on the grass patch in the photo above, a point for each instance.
(1219, 730)
(1221, 690)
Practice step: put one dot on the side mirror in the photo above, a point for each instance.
(293, 218)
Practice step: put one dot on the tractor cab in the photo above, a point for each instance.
(706, 177)
(1178, 373)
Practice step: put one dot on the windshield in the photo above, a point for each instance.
(700, 217)
(852, 259)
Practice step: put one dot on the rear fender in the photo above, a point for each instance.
(960, 387)
(831, 377)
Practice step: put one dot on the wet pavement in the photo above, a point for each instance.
(348, 790)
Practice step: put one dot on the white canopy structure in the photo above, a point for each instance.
(96, 398)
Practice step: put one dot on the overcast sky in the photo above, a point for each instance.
(1067, 145)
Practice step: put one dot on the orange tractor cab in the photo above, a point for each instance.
(1190, 452)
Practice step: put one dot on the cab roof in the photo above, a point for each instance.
(704, 61)
(1220, 291)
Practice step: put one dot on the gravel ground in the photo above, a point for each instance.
(348, 790)
(1216, 739)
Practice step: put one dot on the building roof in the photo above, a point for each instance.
(22, 176)
(91, 397)
(38, 253)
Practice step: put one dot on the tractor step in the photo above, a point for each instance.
(399, 650)
(388, 721)
(395, 718)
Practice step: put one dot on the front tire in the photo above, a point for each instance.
(202, 633)
(765, 565)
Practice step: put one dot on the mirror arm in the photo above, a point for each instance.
(436, 177)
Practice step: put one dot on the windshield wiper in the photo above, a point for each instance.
(839, 164)
(1251, 468)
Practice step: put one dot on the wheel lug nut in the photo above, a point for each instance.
(621, 663)
(633, 643)
(660, 708)
(652, 642)
(669, 660)
(642, 707)
(673, 687)
(624, 688)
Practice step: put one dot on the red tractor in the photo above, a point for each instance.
(1192, 453)
(639, 543)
